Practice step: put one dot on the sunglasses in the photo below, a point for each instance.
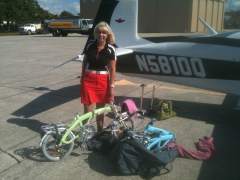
(102, 32)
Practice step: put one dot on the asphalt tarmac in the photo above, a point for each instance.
(39, 84)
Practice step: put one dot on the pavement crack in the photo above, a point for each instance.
(9, 154)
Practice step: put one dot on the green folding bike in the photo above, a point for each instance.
(59, 140)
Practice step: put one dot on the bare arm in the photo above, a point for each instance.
(83, 67)
(112, 70)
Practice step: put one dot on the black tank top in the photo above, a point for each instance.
(105, 56)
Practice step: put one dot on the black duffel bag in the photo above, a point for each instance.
(131, 157)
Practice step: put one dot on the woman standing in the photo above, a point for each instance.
(98, 72)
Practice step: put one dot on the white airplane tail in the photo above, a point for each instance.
(123, 21)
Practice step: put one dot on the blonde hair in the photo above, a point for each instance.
(110, 38)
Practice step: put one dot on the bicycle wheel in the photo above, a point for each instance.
(52, 151)
(86, 133)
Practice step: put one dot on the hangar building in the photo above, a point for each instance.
(169, 16)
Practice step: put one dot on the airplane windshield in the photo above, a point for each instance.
(230, 35)
(234, 35)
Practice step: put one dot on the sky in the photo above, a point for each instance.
(232, 5)
(57, 6)
(73, 6)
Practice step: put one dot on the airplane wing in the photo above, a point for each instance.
(123, 51)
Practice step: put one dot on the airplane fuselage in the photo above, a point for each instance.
(207, 66)
(184, 59)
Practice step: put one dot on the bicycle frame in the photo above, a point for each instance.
(59, 139)
(79, 121)
(162, 137)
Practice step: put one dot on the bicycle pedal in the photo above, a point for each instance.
(84, 147)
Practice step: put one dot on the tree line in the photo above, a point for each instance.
(232, 20)
(14, 13)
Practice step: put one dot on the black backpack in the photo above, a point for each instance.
(103, 142)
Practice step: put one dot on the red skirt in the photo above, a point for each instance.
(95, 89)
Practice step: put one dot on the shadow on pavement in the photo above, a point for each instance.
(225, 162)
(31, 153)
(48, 100)
(226, 134)
(32, 124)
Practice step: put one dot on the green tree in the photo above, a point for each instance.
(66, 14)
(22, 11)
(233, 20)
(2, 10)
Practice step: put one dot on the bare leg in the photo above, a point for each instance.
(88, 108)
(100, 118)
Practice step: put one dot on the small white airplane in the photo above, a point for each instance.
(210, 61)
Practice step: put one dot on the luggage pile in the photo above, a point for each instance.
(159, 109)
(162, 109)
(147, 153)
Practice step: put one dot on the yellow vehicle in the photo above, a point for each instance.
(61, 27)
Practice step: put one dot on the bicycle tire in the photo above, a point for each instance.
(50, 149)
